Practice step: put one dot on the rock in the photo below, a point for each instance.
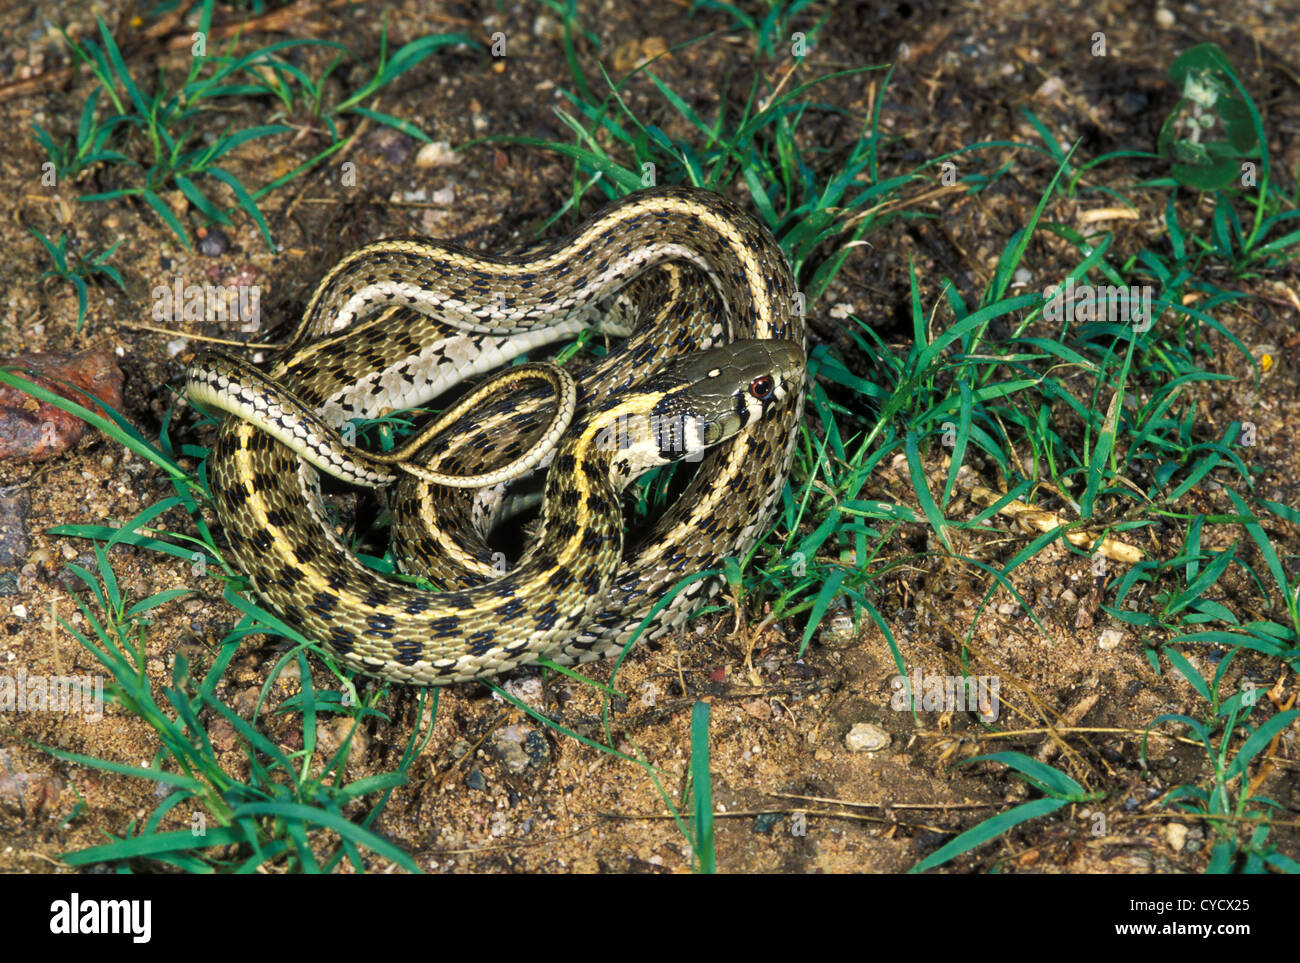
(223, 735)
(637, 53)
(836, 629)
(15, 543)
(519, 747)
(527, 690)
(213, 242)
(436, 154)
(866, 737)
(393, 145)
(32, 430)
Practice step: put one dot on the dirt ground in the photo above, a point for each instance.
(493, 791)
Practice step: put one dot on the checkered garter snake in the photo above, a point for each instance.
(715, 349)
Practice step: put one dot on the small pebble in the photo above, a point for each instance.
(437, 154)
(509, 746)
(527, 690)
(392, 144)
(15, 543)
(214, 243)
(1133, 102)
(866, 737)
(836, 629)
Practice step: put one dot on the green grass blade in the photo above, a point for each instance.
(702, 791)
(169, 218)
(990, 829)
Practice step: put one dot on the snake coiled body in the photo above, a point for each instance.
(709, 273)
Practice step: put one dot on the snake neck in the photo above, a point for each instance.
(613, 445)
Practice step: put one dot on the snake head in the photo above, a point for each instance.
(728, 387)
(698, 401)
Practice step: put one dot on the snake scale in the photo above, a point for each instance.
(707, 298)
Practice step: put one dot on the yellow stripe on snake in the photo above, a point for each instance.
(714, 357)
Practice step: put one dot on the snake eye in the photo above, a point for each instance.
(762, 388)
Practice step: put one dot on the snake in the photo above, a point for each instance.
(715, 350)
